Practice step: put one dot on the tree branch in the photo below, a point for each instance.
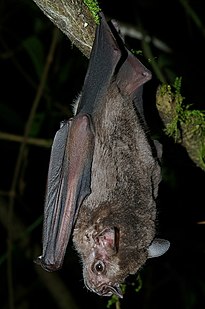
(74, 19)
(184, 125)
(40, 142)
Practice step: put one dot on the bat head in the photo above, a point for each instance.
(103, 271)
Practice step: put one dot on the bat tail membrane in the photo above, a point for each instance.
(68, 184)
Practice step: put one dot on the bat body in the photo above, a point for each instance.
(104, 173)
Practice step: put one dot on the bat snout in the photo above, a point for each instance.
(109, 290)
(105, 289)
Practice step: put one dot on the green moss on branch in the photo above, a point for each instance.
(94, 9)
(185, 125)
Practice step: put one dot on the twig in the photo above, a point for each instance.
(19, 163)
(148, 54)
(46, 143)
(136, 33)
(195, 18)
(117, 304)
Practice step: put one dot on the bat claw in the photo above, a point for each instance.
(46, 266)
(38, 260)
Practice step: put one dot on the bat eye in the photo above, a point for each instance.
(99, 267)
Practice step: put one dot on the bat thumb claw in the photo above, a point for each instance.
(46, 266)
(38, 260)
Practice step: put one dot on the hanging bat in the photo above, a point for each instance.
(104, 173)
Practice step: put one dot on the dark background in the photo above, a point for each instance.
(175, 280)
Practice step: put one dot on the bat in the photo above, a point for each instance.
(104, 173)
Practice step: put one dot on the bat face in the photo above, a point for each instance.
(101, 265)
(104, 173)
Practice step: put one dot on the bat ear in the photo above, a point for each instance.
(158, 247)
(108, 240)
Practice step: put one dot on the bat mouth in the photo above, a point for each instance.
(107, 290)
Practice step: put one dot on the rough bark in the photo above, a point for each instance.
(74, 19)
